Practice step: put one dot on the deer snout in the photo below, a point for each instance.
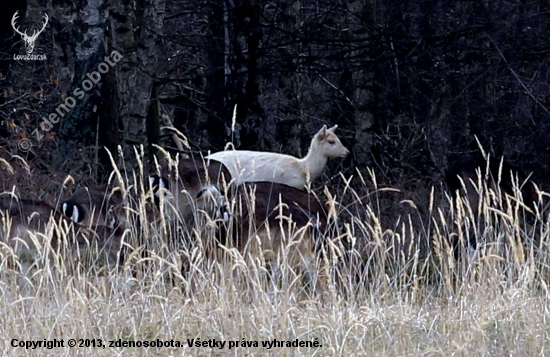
(344, 153)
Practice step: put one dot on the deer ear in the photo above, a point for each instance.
(333, 128)
(323, 132)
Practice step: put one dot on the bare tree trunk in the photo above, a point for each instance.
(216, 80)
(136, 37)
(80, 49)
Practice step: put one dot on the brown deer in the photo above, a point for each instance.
(498, 175)
(29, 225)
(189, 180)
(472, 178)
(274, 220)
(94, 206)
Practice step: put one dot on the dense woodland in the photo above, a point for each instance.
(410, 84)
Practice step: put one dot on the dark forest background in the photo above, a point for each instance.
(410, 84)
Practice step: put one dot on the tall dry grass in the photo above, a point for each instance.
(393, 289)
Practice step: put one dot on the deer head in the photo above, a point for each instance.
(29, 40)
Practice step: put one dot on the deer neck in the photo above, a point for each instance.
(314, 162)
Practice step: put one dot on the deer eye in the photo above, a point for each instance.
(332, 142)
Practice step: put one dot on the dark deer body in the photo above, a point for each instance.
(271, 220)
(28, 225)
(500, 184)
(262, 205)
(188, 181)
(500, 176)
(93, 206)
(27, 217)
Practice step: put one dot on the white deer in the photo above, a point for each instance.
(255, 166)
(29, 40)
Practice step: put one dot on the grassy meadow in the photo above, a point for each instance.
(393, 285)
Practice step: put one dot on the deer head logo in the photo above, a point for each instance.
(29, 40)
